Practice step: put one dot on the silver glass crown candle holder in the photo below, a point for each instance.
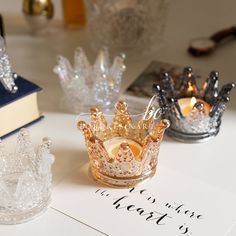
(195, 113)
(87, 85)
(25, 180)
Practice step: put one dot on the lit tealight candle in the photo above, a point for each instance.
(112, 146)
(187, 105)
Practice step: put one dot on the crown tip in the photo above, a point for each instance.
(94, 110)
(81, 125)
(188, 69)
(121, 106)
(166, 123)
(214, 73)
(123, 55)
(23, 132)
(47, 142)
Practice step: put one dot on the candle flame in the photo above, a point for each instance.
(193, 101)
(190, 87)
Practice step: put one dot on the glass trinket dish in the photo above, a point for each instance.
(195, 113)
(123, 153)
(25, 180)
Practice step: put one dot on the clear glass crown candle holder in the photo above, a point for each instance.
(130, 26)
(7, 77)
(195, 113)
(85, 85)
(123, 152)
(25, 180)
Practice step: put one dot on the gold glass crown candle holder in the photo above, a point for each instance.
(195, 113)
(123, 153)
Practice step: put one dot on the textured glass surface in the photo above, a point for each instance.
(195, 124)
(87, 85)
(6, 75)
(199, 124)
(124, 168)
(25, 180)
(127, 25)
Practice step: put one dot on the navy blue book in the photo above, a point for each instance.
(18, 109)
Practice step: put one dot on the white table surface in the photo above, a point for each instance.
(213, 162)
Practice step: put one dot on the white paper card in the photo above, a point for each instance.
(170, 204)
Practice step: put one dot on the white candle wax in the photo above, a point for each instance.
(187, 104)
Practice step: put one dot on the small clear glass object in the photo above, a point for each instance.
(25, 180)
(85, 85)
(129, 26)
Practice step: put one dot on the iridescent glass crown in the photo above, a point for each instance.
(124, 152)
(207, 105)
(25, 180)
(87, 85)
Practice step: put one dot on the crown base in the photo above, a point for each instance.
(191, 137)
(7, 218)
(122, 182)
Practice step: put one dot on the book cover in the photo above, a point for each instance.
(25, 88)
(20, 109)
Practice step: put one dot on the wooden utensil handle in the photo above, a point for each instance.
(222, 34)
